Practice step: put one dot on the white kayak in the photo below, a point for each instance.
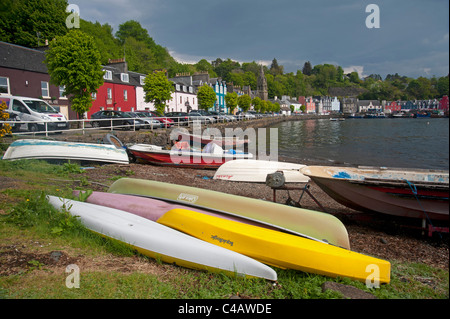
(162, 242)
(256, 171)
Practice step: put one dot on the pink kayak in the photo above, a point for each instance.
(153, 208)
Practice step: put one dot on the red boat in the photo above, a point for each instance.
(202, 140)
(212, 159)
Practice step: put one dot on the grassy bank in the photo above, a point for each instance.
(32, 233)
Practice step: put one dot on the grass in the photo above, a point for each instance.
(28, 218)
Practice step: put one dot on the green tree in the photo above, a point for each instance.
(307, 68)
(257, 103)
(158, 89)
(443, 86)
(31, 22)
(206, 97)
(231, 98)
(73, 61)
(276, 69)
(244, 102)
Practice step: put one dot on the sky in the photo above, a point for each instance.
(408, 37)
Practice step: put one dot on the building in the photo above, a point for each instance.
(310, 105)
(220, 88)
(392, 107)
(118, 91)
(262, 90)
(369, 106)
(24, 73)
(349, 105)
(335, 105)
(443, 104)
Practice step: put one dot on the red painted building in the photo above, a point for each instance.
(392, 107)
(118, 91)
(443, 104)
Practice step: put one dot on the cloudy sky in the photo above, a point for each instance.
(412, 38)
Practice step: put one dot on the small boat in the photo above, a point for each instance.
(162, 242)
(57, 150)
(256, 171)
(153, 154)
(299, 221)
(203, 140)
(275, 248)
(415, 193)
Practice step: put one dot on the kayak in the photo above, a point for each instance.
(161, 242)
(303, 222)
(276, 248)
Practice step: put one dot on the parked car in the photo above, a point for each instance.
(150, 122)
(180, 117)
(116, 119)
(228, 117)
(163, 119)
(196, 117)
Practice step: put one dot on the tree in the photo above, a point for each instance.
(257, 104)
(206, 97)
(232, 101)
(158, 89)
(73, 61)
(276, 69)
(244, 102)
(31, 22)
(307, 68)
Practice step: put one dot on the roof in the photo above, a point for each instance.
(18, 57)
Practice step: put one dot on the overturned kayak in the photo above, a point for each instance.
(303, 222)
(276, 248)
(161, 242)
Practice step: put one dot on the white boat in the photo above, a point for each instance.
(57, 150)
(257, 170)
(162, 242)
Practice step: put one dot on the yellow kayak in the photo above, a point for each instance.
(279, 249)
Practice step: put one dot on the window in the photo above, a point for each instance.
(108, 75)
(61, 91)
(142, 80)
(125, 95)
(124, 77)
(44, 89)
(4, 85)
(94, 95)
(109, 92)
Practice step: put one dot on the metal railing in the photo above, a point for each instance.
(85, 125)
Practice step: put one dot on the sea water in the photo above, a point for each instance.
(390, 142)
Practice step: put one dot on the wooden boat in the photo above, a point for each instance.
(202, 140)
(152, 154)
(276, 248)
(257, 170)
(161, 242)
(153, 209)
(57, 150)
(299, 221)
(412, 193)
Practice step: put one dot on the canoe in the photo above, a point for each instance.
(153, 209)
(57, 150)
(276, 248)
(256, 171)
(152, 154)
(414, 193)
(162, 242)
(299, 221)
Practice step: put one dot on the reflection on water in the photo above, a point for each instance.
(419, 143)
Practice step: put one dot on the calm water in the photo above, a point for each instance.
(414, 143)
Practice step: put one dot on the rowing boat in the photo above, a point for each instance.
(276, 248)
(303, 222)
(161, 242)
(57, 150)
(415, 193)
(256, 171)
(151, 154)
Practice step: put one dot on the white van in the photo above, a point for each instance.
(29, 109)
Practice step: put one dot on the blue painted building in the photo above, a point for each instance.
(220, 88)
